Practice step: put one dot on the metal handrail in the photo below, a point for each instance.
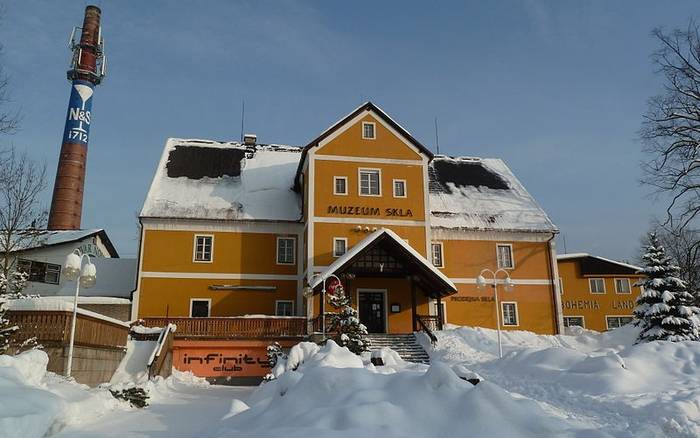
(426, 329)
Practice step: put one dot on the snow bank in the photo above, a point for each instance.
(330, 393)
(650, 389)
(34, 403)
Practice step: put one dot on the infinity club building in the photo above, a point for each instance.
(244, 229)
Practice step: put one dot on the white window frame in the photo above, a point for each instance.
(433, 309)
(340, 239)
(629, 286)
(583, 319)
(335, 180)
(442, 254)
(517, 314)
(284, 301)
(590, 285)
(405, 187)
(208, 300)
(294, 250)
(374, 130)
(512, 256)
(194, 249)
(607, 323)
(359, 180)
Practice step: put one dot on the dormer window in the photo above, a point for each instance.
(368, 131)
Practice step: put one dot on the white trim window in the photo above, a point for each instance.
(340, 246)
(370, 182)
(399, 188)
(369, 131)
(437, 254)
(622, 286)
(509, 313)
(340, 185)
(286, 248)
(596, 285)
(39, 271)
(200, 307)
(504, 256)
(203, 248)
(574, 321)
(613, 322)
(284, 308)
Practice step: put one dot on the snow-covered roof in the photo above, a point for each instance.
(482, 194)
(204, 179)
(364, 243)
(581, 255)
(45, 238)
(116, 277)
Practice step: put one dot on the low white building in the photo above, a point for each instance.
(43, 261)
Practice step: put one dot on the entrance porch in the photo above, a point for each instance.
(391, 285)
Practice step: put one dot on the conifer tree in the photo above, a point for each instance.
(664, 308)
(349, 331)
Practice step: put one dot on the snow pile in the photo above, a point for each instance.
(34, 403)
(604, 380)
(331, 394)
(134, 364)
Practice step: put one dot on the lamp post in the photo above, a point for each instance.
(481, 283)
(308, 292)
(84, 275)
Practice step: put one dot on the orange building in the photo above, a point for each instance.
(235, 229)
(597, 293)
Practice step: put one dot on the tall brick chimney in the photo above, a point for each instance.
(86, 70)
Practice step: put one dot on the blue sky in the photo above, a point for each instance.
(555, 88)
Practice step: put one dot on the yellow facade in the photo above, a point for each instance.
(599, 310)
(245, 256)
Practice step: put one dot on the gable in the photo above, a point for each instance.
(387, 144)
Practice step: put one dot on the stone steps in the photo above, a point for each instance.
(405, 345)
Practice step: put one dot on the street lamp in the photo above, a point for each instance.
(85, 276)
(482, 282)
(309, 291)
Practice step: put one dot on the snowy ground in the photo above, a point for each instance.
(588, 385)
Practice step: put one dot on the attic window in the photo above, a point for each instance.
(195, 162)
(368, 131)
(466, 173)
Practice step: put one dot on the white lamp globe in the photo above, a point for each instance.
(480, 282)
(88, 277)
(71, 268)
(508, 284)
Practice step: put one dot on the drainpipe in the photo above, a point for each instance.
(554, 276)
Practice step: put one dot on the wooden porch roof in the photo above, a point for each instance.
(384, 254)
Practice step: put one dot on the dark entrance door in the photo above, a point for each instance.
(371, 310)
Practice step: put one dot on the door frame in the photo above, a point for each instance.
(384, 293)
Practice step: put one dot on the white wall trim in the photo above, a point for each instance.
(137, 293)
(524, 282)
(359, 220)
(351, 159)
(499, 236)
(204, 226)
(217, 276)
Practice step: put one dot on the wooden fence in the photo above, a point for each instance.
(53, 327)
(233, 327)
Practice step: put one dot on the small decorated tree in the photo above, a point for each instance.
(664, 308)
(349, 331)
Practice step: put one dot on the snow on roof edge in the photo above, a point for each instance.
(578, 255)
